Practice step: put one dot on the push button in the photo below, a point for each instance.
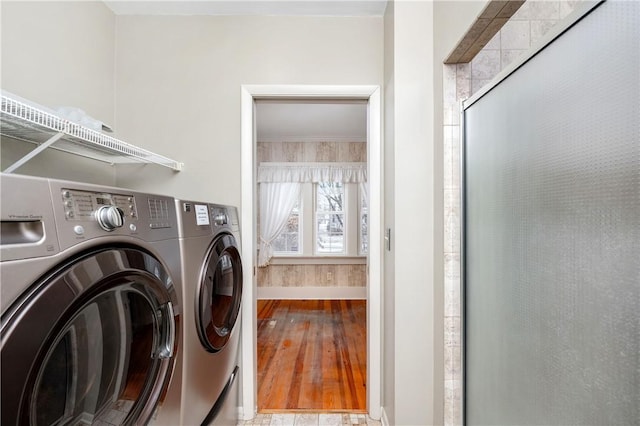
(79, 230)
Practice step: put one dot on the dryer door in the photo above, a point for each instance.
(220, 293)
(92, 342)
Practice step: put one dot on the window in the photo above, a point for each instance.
(330, 218)
(363, 215)
(289, 241)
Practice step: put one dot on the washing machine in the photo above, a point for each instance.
(91, 305)
(212, 294)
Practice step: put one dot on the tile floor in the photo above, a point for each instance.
(310, 419)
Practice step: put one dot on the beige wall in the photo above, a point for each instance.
(178, 85)
(59, 54)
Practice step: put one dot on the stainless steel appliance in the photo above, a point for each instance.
(212, 291)
(90, 290)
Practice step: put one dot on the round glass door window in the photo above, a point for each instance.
(94, 344)
(220, 293)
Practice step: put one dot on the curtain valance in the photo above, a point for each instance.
(312, 172)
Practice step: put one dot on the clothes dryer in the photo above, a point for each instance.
(90, 296)
(212, 292)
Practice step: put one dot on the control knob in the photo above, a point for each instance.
(110, 217)
(220, 219)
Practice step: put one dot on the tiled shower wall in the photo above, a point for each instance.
(531, 22)
(528, 25)
(312, 275)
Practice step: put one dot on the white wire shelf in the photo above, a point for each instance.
(31, 124)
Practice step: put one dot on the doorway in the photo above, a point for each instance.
(370, 95)
(312, 247)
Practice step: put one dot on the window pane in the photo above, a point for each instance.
(364, 224)
(288, 242)
(330, 233)
(330, 197)
(330, 218)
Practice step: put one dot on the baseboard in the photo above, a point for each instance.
(241, 414)
(384, 419)
(312, 293)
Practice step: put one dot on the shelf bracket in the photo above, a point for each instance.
(33, 153)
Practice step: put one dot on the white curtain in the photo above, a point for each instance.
(312, 172)
(276, 202)
(280, 186)
(364, 190)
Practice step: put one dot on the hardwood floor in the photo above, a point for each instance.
(312, 355)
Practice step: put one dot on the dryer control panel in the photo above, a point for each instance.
(85, 211)
(87, 205)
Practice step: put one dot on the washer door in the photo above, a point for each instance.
(220, 293)
(92, 342)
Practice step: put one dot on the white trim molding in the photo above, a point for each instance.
(370, 94)
(312, 293)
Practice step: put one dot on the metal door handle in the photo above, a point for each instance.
(167, 332)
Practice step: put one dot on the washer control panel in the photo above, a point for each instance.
(108, 209)
(219, 216)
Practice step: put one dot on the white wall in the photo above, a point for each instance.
(59, 54)
(178, 85)
(412, 397)
(414, 214)
(418, 35)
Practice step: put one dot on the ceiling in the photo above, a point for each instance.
(254, 7)
(311, 121)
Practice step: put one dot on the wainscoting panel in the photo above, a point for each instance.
(313, 275)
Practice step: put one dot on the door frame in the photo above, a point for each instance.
(371, 94)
